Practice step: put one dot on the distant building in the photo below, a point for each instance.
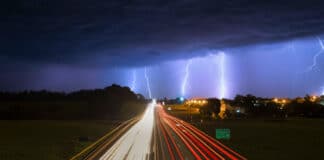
(226, 107)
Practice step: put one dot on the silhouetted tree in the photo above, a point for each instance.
(84, 104)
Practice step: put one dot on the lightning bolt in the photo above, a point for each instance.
(315, 59)
(222, 82)
(312, 67)
(134, 81)
(147, 83)
(292, 49)
(185, 80)
(291, 46)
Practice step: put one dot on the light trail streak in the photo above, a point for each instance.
(199, 145)
(312, 67)
(185, 80)
(136, 142)
(147, 83)
(133, 81)
(222, 90)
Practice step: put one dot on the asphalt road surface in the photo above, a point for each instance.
(160, 136)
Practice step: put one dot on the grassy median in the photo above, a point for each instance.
(50, 140)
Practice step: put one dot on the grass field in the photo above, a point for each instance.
(268, 140)
(50, 140)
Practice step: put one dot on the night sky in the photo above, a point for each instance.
(224, 48)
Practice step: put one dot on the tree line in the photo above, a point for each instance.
(113, 102)
(308, 106)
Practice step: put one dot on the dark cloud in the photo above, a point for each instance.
(141, 32)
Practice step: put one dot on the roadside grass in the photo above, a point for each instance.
(47, 139)
(294, 138)
(262, 139)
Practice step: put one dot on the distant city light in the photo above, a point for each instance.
(283, 101)
(238, 111)
(313, 98)
(181, 99)
(197, 102)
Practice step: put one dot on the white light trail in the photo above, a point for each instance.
(185, 80)
(222, 83)
(134, 81)
(136, 142)
(147, 83)
(312, 67)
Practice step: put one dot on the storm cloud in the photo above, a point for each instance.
(74, 44)
(142, 32)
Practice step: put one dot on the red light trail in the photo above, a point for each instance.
(199, 145)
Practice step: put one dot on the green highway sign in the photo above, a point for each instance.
(224, 133)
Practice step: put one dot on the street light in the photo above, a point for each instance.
(181, 99)
(313, 98)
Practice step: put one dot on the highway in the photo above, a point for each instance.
(136, 142)
(160, 136)
(181, 140)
